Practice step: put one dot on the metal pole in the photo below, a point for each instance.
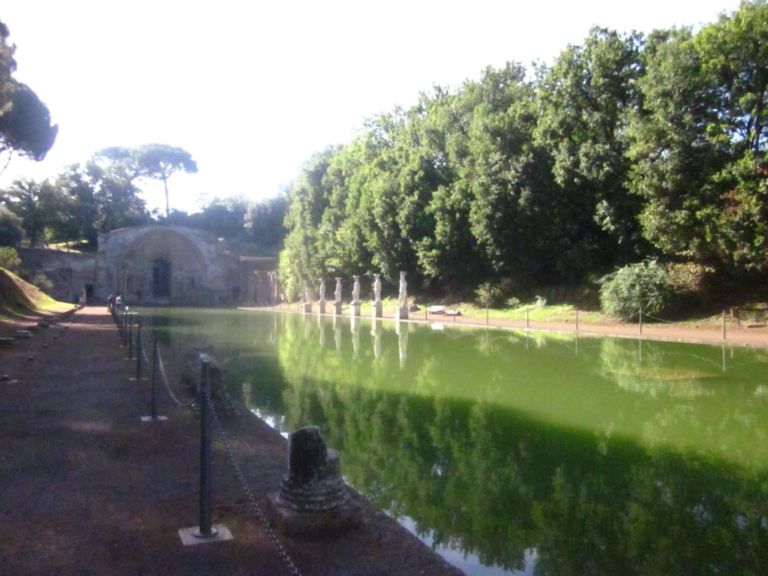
(723, 323)
(206, 492)
(486, 316)
(155, 369)
(139, 350)
(527, 319)
(577, 319)
(641, 320)
(130, 336)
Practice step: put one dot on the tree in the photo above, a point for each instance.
(25, 122)
(37, 204)
(583, 103)
(154, 161)
(699, 142)
(161, 161)
(264, 222)
(7, 67)
(11, 231)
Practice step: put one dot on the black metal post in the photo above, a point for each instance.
(155, 368)
(125, 328)
(130, 336)
(139, 350)
(724, 333)
(206, 490)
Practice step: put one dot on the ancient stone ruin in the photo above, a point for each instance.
(314, 499)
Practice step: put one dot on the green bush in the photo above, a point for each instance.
(644, 285)
(489, 295)
(9, 258)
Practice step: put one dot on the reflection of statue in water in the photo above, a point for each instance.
(402, 343)
(322, 290)
(376, 332)
(355, 327)
(403, 294)
(356, 290)
(337, 294)
(377, 288)
(336, 333)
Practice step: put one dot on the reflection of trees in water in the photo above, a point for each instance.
(489, 481)
(637, 366)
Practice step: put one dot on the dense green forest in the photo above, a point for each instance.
(626, 148)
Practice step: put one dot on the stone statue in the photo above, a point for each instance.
(356, 290)
(377, 288)
(322, 290)
(337, 294)
(403, 294)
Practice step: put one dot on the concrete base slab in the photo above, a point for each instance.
(192, 537)
(290, 523)
(150, 419)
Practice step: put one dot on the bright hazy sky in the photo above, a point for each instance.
(252, 90)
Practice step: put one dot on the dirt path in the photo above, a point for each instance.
(86, 488)
(744, 335)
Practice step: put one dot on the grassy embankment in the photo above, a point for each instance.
(555, 313)
(20, 299)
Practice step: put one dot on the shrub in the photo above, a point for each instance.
(488, 295)
(9, 258)
(644, 285)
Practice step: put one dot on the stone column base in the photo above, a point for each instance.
(402, 313)
(337, 308)
(307, 307)
(325, 523)
(354, 309)
(321, 307)
(377, 310)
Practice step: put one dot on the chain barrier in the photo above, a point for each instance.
(164, 378)
(649, 316)
(292, 568)
(262, 517)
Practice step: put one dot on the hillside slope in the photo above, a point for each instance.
(18, 297)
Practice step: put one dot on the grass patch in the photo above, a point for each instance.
(19, 298)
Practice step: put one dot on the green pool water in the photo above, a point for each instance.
(520, 453)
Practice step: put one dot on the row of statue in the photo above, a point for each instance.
(402, 311)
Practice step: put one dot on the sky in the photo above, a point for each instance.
(252, 90)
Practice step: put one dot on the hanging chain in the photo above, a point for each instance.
(251, 497)
(164, 378)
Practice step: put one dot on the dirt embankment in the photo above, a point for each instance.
(87, 488)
